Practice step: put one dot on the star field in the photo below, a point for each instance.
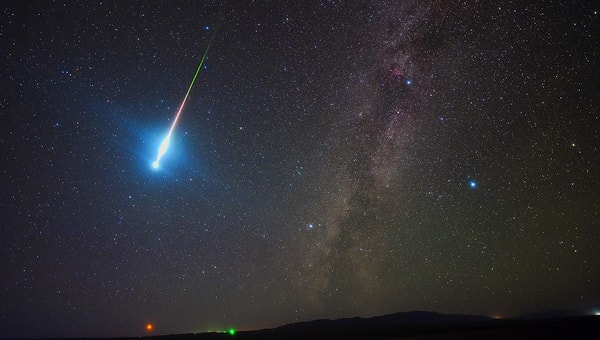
(334, 159)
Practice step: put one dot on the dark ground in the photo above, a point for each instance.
(584, 327)
(569, 328)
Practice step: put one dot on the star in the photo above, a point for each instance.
(472, 184)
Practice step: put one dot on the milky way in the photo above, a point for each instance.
(338, 159)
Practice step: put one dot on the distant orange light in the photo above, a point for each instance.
(149, 327)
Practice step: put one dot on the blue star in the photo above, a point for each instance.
(472, 184)
(408, 82)
(311, 226)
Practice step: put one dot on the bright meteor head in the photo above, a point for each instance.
(162, 149)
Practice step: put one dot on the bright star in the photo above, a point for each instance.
(472, 184)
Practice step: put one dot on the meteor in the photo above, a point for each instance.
(164, 145)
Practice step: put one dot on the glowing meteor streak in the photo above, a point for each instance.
(164, 145)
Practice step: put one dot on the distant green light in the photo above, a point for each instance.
(231, 331)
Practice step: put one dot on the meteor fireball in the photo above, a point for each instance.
(164, 145)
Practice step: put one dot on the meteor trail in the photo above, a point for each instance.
(164, 145)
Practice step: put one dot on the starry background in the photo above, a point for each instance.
(335, 159)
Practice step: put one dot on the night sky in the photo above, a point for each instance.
(334, 159)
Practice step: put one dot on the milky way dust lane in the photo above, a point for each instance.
(164, 145)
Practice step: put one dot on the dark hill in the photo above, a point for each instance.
(420, 325)
(407, 320)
